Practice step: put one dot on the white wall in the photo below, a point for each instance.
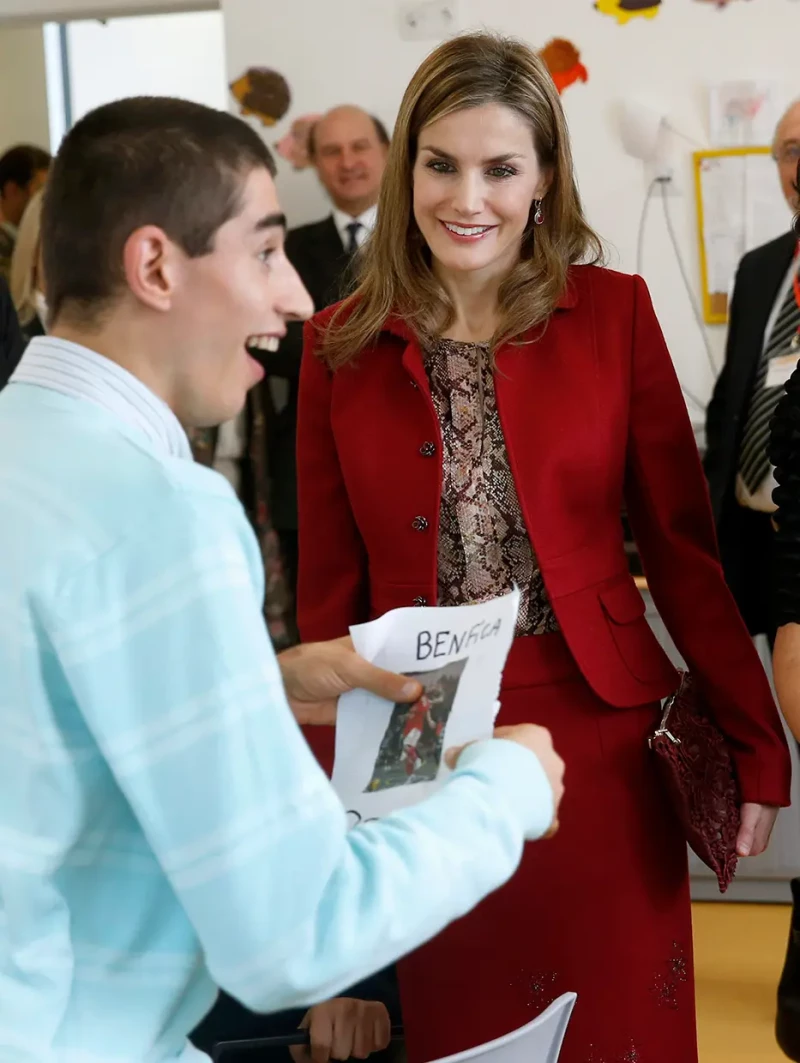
(161, 55)
(349, 50)
(23, 89)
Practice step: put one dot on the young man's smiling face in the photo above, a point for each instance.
(231, 304)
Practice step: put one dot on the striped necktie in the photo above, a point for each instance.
(753, 457)
(353, 229)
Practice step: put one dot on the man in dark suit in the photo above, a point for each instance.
(348, 148)
(762, 349)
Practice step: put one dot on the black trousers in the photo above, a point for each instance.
(746, 541)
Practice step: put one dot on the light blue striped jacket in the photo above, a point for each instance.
(164, 829)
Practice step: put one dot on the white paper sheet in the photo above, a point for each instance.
(391, 756)
(743, 208)
(538, 1041)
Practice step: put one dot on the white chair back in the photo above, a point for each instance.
(537, 1042)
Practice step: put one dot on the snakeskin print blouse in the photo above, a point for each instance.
(484, 547)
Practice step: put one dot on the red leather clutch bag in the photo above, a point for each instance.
(695, 764)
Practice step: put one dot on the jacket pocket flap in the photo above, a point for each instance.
(622, 601)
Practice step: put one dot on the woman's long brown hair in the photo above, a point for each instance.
(394, 274)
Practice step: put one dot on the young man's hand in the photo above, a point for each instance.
(316, 674)
(343, 1029)
(540, 742)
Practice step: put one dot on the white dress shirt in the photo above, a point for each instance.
(761, 500)
(366, 220)
(81, 373)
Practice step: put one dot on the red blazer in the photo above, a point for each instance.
(593, 416)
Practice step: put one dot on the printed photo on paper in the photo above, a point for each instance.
(412, 746)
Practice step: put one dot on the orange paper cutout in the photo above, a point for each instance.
(563, 60)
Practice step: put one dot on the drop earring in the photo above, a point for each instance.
(538, 216)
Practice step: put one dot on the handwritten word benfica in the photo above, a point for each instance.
(447, 643)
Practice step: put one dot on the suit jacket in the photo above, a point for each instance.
(593, 416)
(11, 341)
(758, 280)
(317, 253)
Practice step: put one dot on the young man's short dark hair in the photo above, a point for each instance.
(20, 164)
(380, 132)
(135, 162)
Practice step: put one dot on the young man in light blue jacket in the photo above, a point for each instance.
(164, 830)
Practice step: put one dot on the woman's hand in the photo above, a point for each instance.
(757, 822)
(343, 1029)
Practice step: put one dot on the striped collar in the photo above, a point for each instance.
(81, 373)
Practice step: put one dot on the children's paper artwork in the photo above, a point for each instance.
(563, 60)
(295, 144)
(742, 113)
(263, 93)
(624, 10)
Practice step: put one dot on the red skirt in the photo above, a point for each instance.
(602, 909)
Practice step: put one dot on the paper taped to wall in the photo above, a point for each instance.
(389, 755)
(739, 207)
(742, 114)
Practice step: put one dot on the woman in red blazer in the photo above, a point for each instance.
(475, 416)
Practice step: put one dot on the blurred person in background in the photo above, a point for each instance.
(11, 341)
(23, 171)
(763, 322)
(239, 450)
(27, 272)
(347, 147)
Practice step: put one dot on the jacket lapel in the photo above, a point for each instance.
(548, 406)
(414, 365)
(761, 297)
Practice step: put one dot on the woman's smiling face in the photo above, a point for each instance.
(476, 176)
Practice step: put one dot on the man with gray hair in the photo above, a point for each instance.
(763, 346)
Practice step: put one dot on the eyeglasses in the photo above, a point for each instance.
(787, 153)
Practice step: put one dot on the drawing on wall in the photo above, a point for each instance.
(742, 113)
(624, 10)
(294, 145)
(263, 93)
(717, 3)
(563, 60)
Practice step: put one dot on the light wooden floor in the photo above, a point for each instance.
(739, 951)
